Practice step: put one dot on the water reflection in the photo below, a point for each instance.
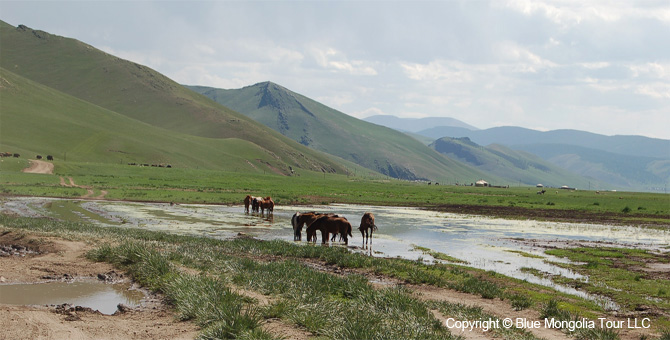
(93, 294)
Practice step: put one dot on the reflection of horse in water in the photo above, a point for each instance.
(247, 203)
(329, 225)
(367, 223)
(300, 219)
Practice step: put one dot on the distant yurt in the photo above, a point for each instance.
(481, 183)
(540, 185)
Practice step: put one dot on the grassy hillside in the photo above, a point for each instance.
(140, 93)
(516, 166)
(40, 120)
(322, 128)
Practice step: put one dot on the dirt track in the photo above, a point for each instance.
(40, 167)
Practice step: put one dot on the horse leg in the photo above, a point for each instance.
(324, 236)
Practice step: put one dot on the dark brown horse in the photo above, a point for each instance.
(301, 219)
(267, 204)
(329, 225)
(247, 203)
(367, 223)
(256, 204)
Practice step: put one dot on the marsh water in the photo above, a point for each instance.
(93, 294)
(499, 245)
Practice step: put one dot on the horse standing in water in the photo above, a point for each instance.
(247, 203)
(267, 204)
(367, 223)
(329, 224)
(300, 219)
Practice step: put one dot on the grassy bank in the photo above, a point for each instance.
(126, 182)
(323, 303)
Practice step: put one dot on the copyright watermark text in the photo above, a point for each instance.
(523, 323)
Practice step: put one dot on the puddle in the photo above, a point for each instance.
(93, 294)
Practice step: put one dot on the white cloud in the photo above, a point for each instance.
(335, 61)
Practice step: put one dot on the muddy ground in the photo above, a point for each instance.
(31, 259)
(35, 258)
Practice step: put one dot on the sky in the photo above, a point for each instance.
(600, 65)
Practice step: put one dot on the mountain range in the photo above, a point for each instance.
(61, 96)
(623, 162)
(313, 124)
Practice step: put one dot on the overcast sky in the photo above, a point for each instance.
(599, 66)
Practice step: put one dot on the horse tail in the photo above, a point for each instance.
(349, 230)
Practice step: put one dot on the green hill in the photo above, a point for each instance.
(322, 128)
(70, 67)
(39, 120)
(515, 166)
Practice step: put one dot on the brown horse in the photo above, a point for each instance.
(367, 223)
(247, 203)
(300, 219)
(329, 225)
(267, 204)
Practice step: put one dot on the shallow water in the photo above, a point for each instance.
(93, 294)
(482, 242)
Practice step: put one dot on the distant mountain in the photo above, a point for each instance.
(416, 124)
(514, 166)
(113, 90)
(511, 136)
(628, 162)
(320, 127)
(637, 172)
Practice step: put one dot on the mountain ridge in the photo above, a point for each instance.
(320, 127)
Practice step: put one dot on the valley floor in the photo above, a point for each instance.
(64, 259)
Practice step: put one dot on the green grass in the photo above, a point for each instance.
(616, 273)
(525, 254)
(440, 256)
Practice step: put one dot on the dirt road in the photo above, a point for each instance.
(40, 167)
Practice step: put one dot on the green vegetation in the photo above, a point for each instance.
(525, 254)
(619, 274)
(439, 256)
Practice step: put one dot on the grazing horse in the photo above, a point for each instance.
(329, 224)
(247, 203)
(367, 222)
(300, 219)
(267, 204)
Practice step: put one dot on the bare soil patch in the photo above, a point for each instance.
(41, 259)
(40, 167)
